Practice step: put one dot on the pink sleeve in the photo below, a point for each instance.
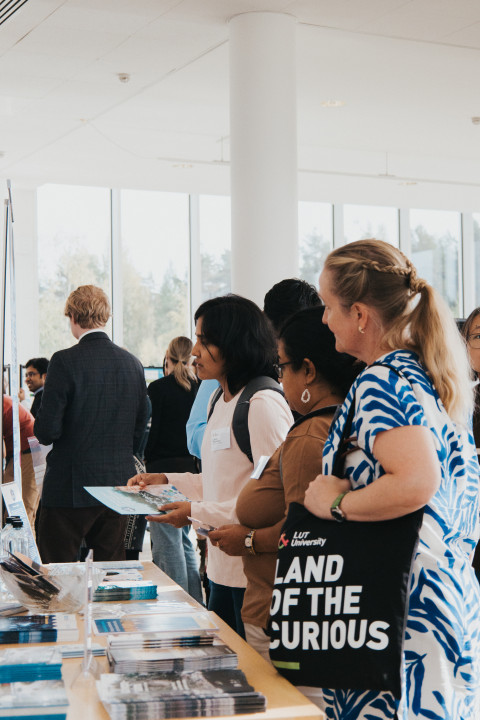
(189, 484)
(216, 513)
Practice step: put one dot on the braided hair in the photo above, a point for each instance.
(412, 314)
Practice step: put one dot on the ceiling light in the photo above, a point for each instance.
(476, 120)
(123, 77)
(333, 103)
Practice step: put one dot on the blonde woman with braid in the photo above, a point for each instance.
(411, 447)
(172, 398)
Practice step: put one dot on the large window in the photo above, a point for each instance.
(315, 235)
(155, 246)
(73, 250)
(436, 245)
(364, 221)
(158, 269)
(215, 245)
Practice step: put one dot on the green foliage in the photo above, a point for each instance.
(216, 275)
(151, 316)
(314, 249)
(437, 260)
(74, 268)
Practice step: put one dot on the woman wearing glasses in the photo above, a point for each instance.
(235, 344)
(471, 333)
(315, 379)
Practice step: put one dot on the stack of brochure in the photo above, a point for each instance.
(29, 664)
(118, 610)
(160, 640)
(178, 694)
(152, 660)
(42, 700)
(125, 590)
(38, 628)
(76, 651)
(193, 623)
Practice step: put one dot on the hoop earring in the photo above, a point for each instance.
(361, 330)
(306, 396)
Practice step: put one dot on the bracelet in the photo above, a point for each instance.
(249, 542)
(252, 549)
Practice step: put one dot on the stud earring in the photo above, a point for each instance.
(306, 396)
(361, 330)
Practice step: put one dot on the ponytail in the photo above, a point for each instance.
(432, 333)
(180, 353)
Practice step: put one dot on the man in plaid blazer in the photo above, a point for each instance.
(94, 411)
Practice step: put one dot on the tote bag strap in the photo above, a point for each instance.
(339, 459)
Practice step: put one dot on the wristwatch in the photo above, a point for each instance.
(336, 510)
(249, 542)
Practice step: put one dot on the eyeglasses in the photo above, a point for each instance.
(278, 367)
(474, 341)
(31, 374)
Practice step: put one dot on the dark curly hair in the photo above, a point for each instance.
(242, 333)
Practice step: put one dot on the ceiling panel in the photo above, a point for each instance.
(407, 71)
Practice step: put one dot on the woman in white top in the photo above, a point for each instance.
(234, 345)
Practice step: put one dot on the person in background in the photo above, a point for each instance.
(172, 397)
(35, 376)
(287, 297)
(410, 447)
(282, 300)
(235, 344)
(315, 379)
(197, 420)
(471, 333)
(94, 411)
(30, 493)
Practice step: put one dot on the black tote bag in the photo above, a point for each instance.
(340, 597)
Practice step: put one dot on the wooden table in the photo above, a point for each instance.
(284, 701)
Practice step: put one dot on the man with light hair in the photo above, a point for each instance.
(94, 411)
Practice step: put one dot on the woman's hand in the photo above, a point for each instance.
(230, 539)
(322, 492)
(177, 514)
(144, 479)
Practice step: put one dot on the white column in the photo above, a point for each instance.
(26, 272)
(263, 144)
(116, 267)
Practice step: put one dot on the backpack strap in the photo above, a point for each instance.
(240, 414)
(215, 398)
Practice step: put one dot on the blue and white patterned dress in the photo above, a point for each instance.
(441, 669)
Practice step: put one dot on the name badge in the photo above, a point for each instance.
(220, 439)
(257, 473)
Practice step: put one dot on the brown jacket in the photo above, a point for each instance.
(264, 503)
